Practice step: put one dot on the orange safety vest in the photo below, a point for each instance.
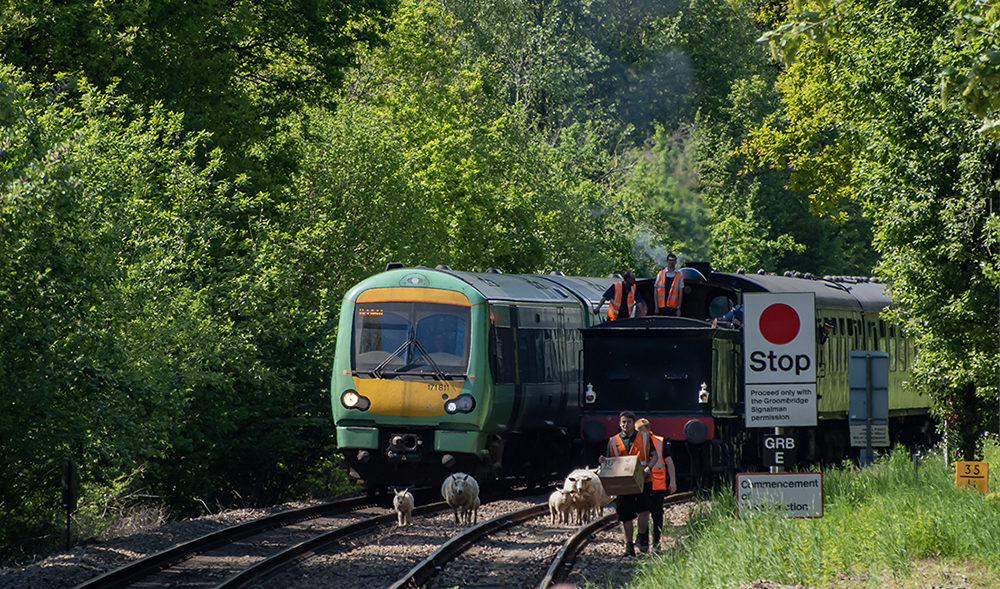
(616, 301)
(663, 298)
(659, 467)
(640, 448)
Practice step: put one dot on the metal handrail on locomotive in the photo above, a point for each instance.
(514, 378)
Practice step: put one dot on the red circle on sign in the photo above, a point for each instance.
(779, 324)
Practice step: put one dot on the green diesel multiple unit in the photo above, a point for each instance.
(438, 370)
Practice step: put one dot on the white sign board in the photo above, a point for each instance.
(880, 436)
(792, 494)
(780, 359)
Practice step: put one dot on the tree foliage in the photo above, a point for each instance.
(865, 122)
(233, 68)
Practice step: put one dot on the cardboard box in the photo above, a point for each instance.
(621, 475)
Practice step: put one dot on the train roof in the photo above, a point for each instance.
(851, 294)
(534, 288)
(854, 294)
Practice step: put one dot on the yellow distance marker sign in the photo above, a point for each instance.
(972, 474)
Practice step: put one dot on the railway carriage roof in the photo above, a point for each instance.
(849, 296)
(535, 288)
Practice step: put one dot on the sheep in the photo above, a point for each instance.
(403, 502)
(560, 504)
(461, 492)
(589, 497)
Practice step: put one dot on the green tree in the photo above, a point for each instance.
(92, 185)
(489, 193)
(234, 68)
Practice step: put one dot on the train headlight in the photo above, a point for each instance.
(463, 403)
(351, 399)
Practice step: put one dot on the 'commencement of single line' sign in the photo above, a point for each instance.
(792, 494)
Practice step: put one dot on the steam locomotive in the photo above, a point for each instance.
(514, 377)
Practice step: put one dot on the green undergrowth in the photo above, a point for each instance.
(883, 526)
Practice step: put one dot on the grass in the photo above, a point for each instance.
(888, 525)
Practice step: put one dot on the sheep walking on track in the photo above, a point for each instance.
(589, 497)
(403, 502)
(461, 492)
(560, 505)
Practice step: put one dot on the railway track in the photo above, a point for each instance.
(424, 574)
(172, 561)
(356, 543)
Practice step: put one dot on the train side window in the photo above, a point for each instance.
(892, 347)
(503, 355)
(842, 330)
(527, 356)
(551, 355)
(850, 328)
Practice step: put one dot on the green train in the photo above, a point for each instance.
(514, 377)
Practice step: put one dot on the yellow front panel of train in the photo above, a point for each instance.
(408, 398)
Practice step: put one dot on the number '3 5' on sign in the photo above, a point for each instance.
(972, 474)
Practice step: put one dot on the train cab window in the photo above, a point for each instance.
(842, 330)
(406, 338)
(850, 328)
(719, 307)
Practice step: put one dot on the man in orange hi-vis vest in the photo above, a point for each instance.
(663, 471)
(631, 442)
(669, 288)
(624, 297)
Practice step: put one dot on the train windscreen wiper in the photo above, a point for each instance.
(440, 374)
(377, 372)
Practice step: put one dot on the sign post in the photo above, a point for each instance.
(780, 374)
(868, 408)
(70, 494)
(780, 359)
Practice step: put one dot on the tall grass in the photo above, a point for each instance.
(877, 522)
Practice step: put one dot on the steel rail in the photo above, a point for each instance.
(566, 557)
(132, 572)
(431, 565)
(273, 564)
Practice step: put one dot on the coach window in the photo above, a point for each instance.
(893, 348)
(502, 358)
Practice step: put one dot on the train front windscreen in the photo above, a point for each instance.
(405, 339)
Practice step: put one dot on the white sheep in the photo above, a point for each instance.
(560, 505)
(589, 497)
(461, 492)
(403, 502)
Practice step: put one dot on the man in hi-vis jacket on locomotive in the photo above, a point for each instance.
(623, 297)
(669, 288)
